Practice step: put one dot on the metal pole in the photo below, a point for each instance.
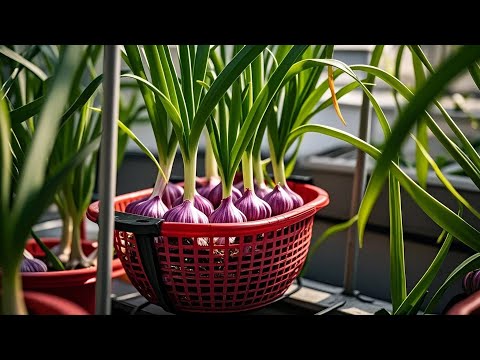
(107, 177)
(358, 187)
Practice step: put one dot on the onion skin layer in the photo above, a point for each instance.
(279, 200)
(253, 207)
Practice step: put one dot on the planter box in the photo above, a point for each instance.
(336, 175)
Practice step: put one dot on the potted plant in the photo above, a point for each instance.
(80, 126)
(38, 303)
(27, 187)
(415, 111)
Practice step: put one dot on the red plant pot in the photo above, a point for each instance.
(74, 285)
(254, 270)
(46, 304)
(468, 306)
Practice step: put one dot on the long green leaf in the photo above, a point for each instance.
(444, 180)
(157, 116)
(84, 97)
(309, 63)
(170, 109)
(334, 229)
(236, 115)
(43, 141)
(51, 258)
(286, 119)
(421, 163)
(220, 156)
(474, 70)
(177, 96)
(396, 73)
(406, 119)
(25, 112)
(50, 52)
(422, 57)
(187, 78)
(293, 159)
(425, 282)
(145, 150)
(200, 68)
(29, 54)
(5, 163)
(451, 147)
(469, 149)
(135, 64)
(256, 114)
(21, 60)
(38, 200)
(472, 263)
(434, 209)
(398, 283)
(218, 88)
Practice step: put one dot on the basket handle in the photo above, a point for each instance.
(145, 230)
(137, 224)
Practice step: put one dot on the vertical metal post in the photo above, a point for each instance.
(107, 177)
(358, 187)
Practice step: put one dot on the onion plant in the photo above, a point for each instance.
(79, 126)
(185, 103)
(234, 137)
(454, 226)
(26, 187)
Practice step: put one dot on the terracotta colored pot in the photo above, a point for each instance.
(46, 304)
(74, 285)
(468, 306)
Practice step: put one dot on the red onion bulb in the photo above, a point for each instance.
(187, 213)
(171, 193)
(200, 202)
(279, 200)
(215, 195)
(226, 213)
(30, 264)
(205, 189)
(253, 207)
(262, 190)
(297, 199)
(152, 207)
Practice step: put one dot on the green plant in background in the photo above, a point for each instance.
(79, 126)
(416, 111)
(26, 187)
(131, 111)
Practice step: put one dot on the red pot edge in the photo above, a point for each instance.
(468, 306)
(68, 276)
(39, 303)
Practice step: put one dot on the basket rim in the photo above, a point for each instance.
(321, 200)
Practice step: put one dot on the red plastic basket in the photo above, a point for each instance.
(167, 266)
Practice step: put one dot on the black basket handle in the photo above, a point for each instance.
(145, 230)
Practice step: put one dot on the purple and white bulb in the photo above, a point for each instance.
(226, 213)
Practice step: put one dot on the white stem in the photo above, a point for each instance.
(160, 183)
